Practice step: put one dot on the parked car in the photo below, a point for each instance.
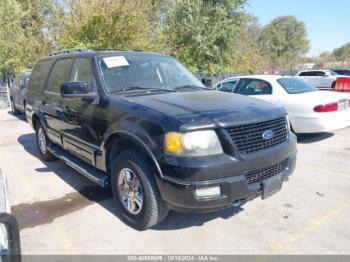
(18, 88)
(10, 245)
(344, 72)
(320, 78)
(309, 110)
(144, 124)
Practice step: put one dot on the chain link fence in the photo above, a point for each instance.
(3, 93)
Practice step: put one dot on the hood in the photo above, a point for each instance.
(209, 109)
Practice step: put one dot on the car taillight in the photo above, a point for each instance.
(326, 108)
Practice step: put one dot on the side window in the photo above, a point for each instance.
(39, 75)
(227, 86)
(306, 74)
(253, 87)
(320, 73)
(59, 75)
(82, 72)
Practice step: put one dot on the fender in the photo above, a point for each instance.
(137, 141)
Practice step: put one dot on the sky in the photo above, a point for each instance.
(327, 21)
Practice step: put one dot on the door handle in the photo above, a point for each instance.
(67, 109)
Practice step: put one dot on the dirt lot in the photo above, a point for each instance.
(61, 212)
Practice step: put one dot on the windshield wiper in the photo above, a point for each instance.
(190, 87)
(142, 88)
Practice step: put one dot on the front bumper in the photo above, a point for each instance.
(235, 189)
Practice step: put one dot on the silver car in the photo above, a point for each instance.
(320, 78)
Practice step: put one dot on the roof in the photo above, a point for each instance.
(93, 52)
(263, 77)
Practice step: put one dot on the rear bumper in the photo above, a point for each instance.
(325, 122)
(235, 189)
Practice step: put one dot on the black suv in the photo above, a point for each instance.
(142, 123)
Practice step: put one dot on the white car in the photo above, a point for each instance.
(320, 78)
(310, 110)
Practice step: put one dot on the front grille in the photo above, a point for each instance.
(265, 173)
(249, 138)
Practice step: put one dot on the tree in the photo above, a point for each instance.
(118, 24)
(204, 33)
(283, 40)
(22, 40)
(342, 53)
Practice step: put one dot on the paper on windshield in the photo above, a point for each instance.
(116, 61)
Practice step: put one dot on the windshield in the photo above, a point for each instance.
(332, 73)
(296, 85)
(145, 72)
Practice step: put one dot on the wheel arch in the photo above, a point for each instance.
(123, 140)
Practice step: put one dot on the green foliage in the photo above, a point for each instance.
(283, 40)
(342, 53)
(22, 40)
(118, 24)
(204, 34)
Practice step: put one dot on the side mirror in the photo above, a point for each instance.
(207, 81)
(76, 89)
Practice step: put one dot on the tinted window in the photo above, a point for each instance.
(295, 85)
(39, 75)
(146, 72)
(82, 72)
(320, 73)
(59, 75)
(307, 74)
(251, 87)
(227, 86)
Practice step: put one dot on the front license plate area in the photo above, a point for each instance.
(272, 185)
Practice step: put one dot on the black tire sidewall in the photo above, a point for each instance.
(47, 156)
(133, 161)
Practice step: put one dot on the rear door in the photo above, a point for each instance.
(79, 125)
(52, 100)
(320, 79)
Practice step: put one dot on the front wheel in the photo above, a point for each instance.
(135, 191)
(42, 142)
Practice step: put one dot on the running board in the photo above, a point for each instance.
(79, 165)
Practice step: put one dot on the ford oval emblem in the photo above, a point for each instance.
(268, 134)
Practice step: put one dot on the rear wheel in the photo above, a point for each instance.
(14, 110)
(333, 86)
(42, 142)
(135, 191)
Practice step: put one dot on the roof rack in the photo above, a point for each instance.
(68, 51)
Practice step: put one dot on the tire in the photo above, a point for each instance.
(153, 209)
(42, 141)
(14, 110)
(333, 86)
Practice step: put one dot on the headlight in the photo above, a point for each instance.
(197, 143)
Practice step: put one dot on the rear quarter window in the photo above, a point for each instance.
(39, 75)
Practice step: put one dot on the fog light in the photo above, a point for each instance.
(208, 191)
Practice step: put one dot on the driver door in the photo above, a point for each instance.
(78, 124)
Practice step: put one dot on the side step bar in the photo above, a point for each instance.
(79, 165)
